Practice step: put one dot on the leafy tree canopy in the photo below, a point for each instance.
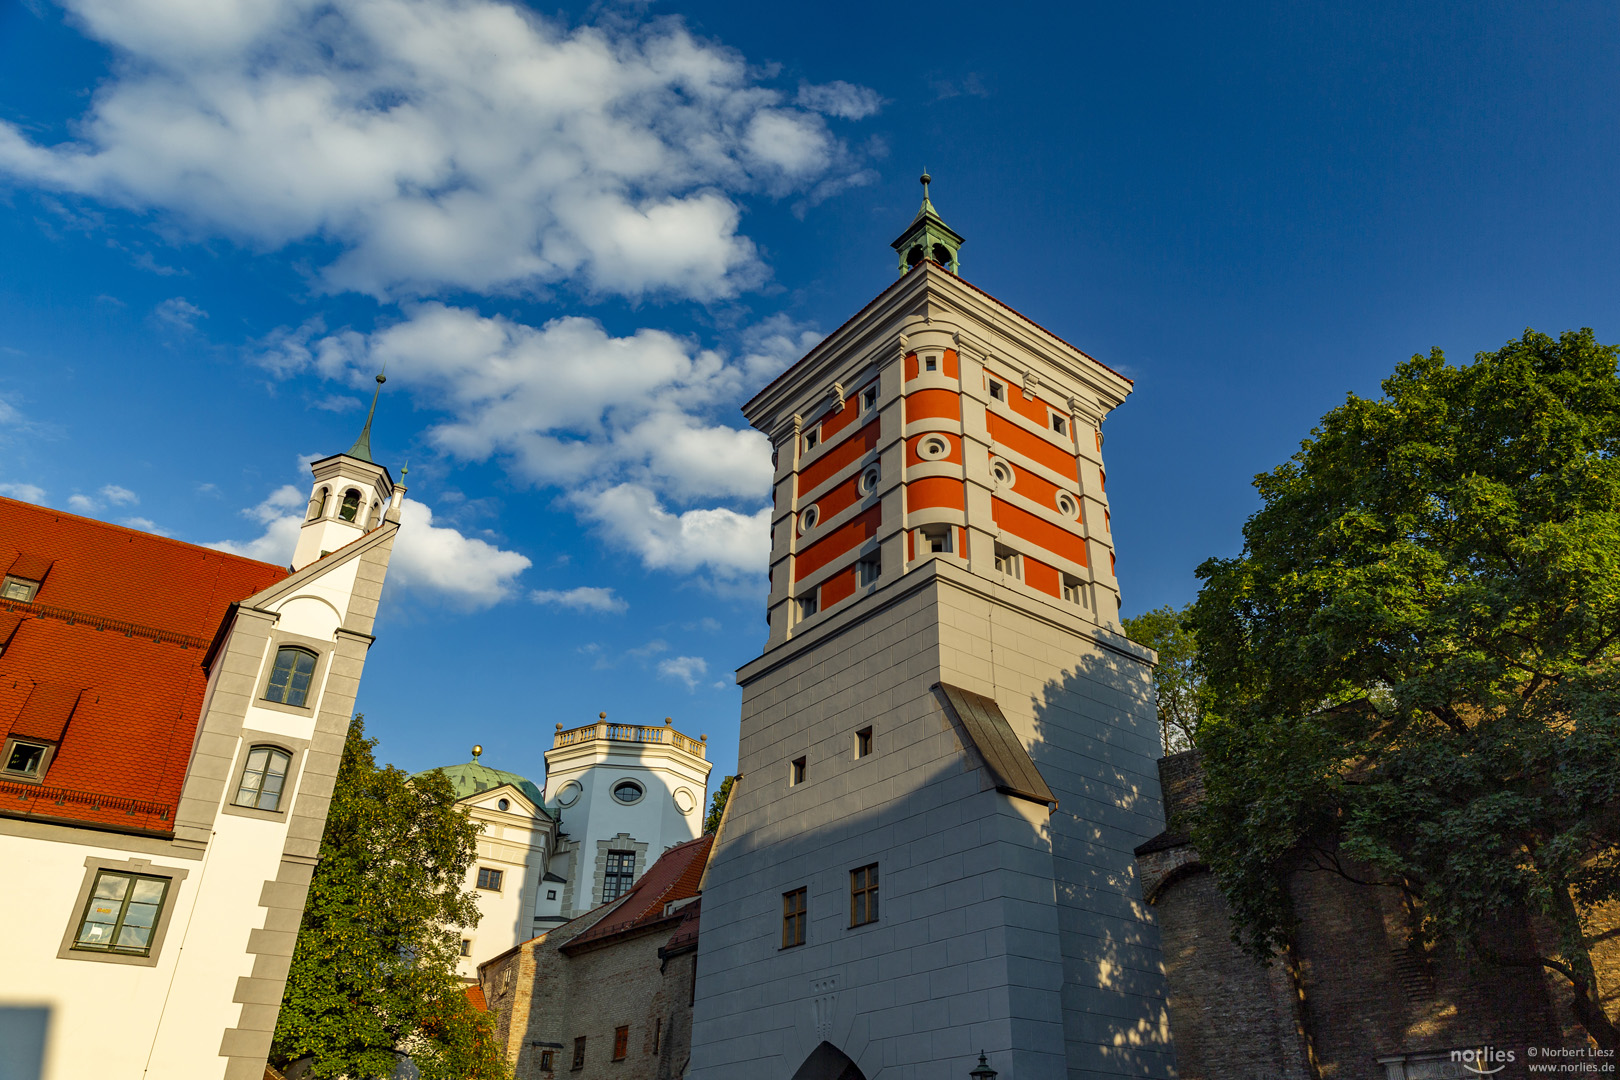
(1413, 660)
(1178, 684)
(717, 805)
(374, 974)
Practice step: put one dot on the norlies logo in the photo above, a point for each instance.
(1485, 1061)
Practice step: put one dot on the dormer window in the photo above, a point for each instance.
(351, 505)
(18, 588)
(291, 677)
(26, 759)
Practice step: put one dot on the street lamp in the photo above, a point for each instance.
(984, 1071)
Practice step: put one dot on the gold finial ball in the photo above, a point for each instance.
(601, 716)
(477, 750)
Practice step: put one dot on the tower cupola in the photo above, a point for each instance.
(349, 498)
(928, 237)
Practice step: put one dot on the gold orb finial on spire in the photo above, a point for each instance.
(478, 750)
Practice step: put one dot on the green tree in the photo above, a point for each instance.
(1413, 660)
(374, 973)
(717, 805)
(1178, 685)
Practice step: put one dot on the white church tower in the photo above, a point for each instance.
(351, 495)
(947, 747)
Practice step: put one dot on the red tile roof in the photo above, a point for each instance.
(108, 659)
(475, 998)
(673, 877)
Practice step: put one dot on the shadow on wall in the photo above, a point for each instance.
(1096, 741)
(23, 1030)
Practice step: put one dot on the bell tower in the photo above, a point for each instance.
(349, 497)
(946, 716)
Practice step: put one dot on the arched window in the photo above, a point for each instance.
(914, 256)
(264, 779)
(290, 678)
(351, 505)
(317, 504)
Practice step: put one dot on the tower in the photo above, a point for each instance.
(947, 747)
(349, 497)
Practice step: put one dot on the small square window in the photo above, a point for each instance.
(1008, 562)
(998, 390)
(869, 569)
(16, 588)
(551, 894)
(621, 1042)
(796, 772)
(868, 399)
(794, 909)
(1060, 424)
(811, 438)
(579, 1052)
(808, 606)
(490, 879)
(931, 364)
(863, 742)
(936, 538)
(466, 946)
(863, 895)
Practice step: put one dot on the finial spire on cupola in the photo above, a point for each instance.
(362, 446)
(928, 237)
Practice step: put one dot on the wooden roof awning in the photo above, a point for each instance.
(1010, 765)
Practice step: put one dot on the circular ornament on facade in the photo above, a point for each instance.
(933, 448)
(685, 801)
(1002, 473)
(504, 804)
(569, 793)
(627, 792)
(869, 480)
(807, 519)
(1066, 505)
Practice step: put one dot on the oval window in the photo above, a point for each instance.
(933, 448)
(869, 480)
(627, 791)
(1001, 472)
(807, 519)
(569, 793)
(1066, 506)
(504, 804)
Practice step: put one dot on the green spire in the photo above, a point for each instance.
(928, 237)
(362, 446)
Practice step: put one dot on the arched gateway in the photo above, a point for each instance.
(827, 1062)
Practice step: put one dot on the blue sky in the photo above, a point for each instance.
(581, 237)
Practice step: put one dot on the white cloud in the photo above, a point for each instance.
(84, 504)
(841, 99)
(177, 312)
(427, 558)
(29, 493)
(460, 144)
(583, 598)
(144, 525)
(609, 419)
(119, 496)
(686, 669)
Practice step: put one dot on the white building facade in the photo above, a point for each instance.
(174, 721)
(947, 747)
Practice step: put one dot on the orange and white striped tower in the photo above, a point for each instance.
(947, 747)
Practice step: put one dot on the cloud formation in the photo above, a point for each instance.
(583, 598)
(686, 669)
(611, 420)
(29, 493)
(443, 144)
(428, 559)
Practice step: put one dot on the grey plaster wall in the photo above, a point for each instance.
(1001, 928)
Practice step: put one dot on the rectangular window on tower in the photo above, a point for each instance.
(794, 908)
(545, 1061)
(808, 606)
(863, 895)
(811, 438)
(935, 539)
(490, 879)
(998, 390)
(863, 742)
(1008, 562)
(796, 772)
(869, 399)
(579, 1052)
(1074, 592)
(620, 872)
(621, 1043)
(1060, 424)
(869, 569)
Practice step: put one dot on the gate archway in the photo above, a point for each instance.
(827, 1062)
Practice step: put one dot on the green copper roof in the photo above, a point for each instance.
(362, 446)
(471, 778)
(928, 237)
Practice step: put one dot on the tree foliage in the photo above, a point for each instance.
(1178, 685)
(374, 973)
(1413, 660)
(717, 805)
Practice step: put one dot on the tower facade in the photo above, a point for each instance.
(947, 747)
